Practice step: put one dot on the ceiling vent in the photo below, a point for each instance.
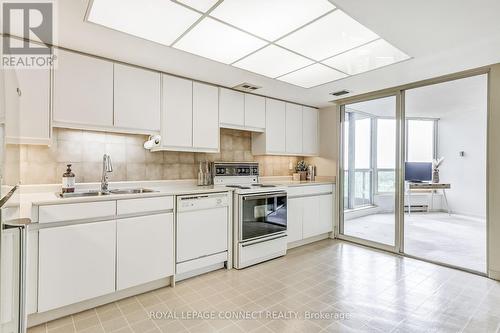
(247, 87)
(340, 93)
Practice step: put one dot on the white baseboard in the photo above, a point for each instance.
(308, 240)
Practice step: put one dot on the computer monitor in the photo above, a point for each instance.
(418, 171)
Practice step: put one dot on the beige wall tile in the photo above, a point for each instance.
(154, 171)
(135, 154)
(117, 151)
(91, 171)
(84, 150)
(136, 171)
(93, 151)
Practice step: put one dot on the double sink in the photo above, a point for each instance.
(95, 193)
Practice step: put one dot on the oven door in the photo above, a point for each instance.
(262, 215)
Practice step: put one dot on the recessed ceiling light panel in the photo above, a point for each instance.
(312, 76)
(218, 41)
(201, 5)
(155, 20)
(273, 61)
(367, 57)
(330, 35)
(270, 19)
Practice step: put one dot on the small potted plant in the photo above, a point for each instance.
(301, 169)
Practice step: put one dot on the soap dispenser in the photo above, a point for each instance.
(68, 180)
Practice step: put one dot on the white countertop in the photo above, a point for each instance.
(38, 195)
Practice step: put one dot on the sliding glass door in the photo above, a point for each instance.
(445, 173)
(413, 172)
(369, 153)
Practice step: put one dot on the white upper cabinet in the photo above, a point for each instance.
(205, 116)
(136, 99)
(242, 111)
(190, 116)
(272, 141)
(255, 112)
(293, 128)
(27, 101)
(275, 126)
(232, 108)
(83, 91)
(310, 131)
(177, 112)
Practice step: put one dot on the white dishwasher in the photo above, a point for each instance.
(202, 233)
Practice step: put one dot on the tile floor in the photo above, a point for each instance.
(451, 239)
(373, 290)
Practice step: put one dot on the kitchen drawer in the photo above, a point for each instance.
(143, 205)
(252, 253)
(76, 211)
(294, 191)
(317, 189)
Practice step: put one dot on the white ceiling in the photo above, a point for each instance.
(442, 37)
(433, 101)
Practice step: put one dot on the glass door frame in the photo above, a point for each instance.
(401, 129)
(398, 190)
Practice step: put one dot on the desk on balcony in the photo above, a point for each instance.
(428, 186)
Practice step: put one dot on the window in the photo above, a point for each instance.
(362, 143)
(420, 145)
(386, 159)
(386, 143)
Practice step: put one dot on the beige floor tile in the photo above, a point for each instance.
(65, 321)
(68, 328)
(114, 324)
(143, 326)
(88, 322)
(377, 291)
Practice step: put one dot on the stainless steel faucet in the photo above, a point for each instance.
(106, 167)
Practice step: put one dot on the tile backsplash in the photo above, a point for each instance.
(84, 149)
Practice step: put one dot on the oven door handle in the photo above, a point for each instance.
(257, 197)
(264, 240)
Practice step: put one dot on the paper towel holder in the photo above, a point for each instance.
(153, 141)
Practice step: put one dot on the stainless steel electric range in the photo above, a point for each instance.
(260, 213)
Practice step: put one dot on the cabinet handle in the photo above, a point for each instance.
(19, 92)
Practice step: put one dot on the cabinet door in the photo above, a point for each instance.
(205, 116)
(232, 108)
(293, 128)
(136, 99)
(27, 106)
(76, 263)
(177, 112)
(255, 112)
(310, 131)
(83, 90)
(325, 221)
(311, 216)
(145, 249)
(294, 219)
(275, 126)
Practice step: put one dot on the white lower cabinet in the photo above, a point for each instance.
(310, 212)
(76, 263)
(318, 218)
(145, 249)
(294, 219)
